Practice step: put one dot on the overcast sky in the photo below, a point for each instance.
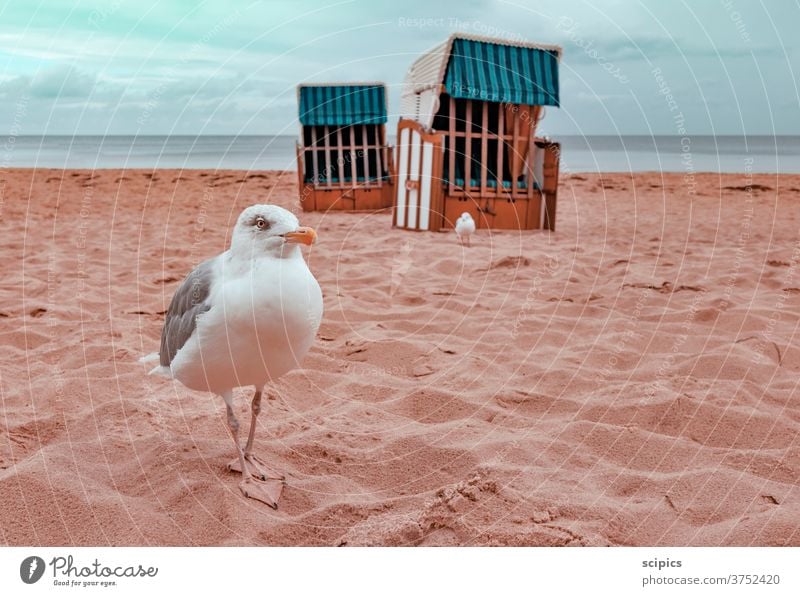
(191, 67)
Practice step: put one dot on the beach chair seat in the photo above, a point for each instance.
(466, 136)
(343, 159)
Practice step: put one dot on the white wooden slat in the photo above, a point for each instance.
(500, 148)
(413, 175)
(403, 152)
(352, 149)
(541, 210)
(451, 145)
(538, 167)
(365, 154)
(484, 147)
(468, 148)
(425, 186)
(315, 177)
(328, 167)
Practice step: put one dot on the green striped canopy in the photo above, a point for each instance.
(342, 105)
(501, 73)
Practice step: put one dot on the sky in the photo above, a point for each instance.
(190, 67)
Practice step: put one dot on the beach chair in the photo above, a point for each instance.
(466, 137)
(343, 160)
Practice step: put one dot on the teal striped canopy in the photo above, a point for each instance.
(502, 73)
(342, 105)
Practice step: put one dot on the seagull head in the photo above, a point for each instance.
(269, 229)
(465, 216)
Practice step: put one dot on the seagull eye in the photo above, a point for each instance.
(262, 223)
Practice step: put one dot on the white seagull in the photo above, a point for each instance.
(245, 317)
(465, 228)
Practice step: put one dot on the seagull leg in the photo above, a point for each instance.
(266, 491)
(255, 410)
(257, 467)
(233, 426)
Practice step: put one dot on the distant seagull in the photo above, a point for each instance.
(465, 228)
(245, 317)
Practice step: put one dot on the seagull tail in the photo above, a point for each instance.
(154, 358)
(162, 371)
(150, 358)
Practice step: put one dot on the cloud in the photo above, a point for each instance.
(14, 87)
(221, 66)
(215, 87)
(62, 81)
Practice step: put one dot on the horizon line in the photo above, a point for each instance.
(255, 135)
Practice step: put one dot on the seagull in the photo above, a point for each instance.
(244, 318)
(465, 227)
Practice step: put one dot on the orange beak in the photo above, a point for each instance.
(302, 235)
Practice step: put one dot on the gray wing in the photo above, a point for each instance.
(190, 300)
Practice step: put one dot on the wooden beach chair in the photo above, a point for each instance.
(343, 160)
(466, 139)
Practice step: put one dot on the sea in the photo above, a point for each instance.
(632, 153)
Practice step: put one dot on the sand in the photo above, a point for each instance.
(628, 380)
